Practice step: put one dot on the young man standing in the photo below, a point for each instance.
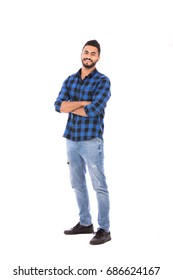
(84, 96)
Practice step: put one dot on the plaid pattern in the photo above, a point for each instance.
(96, 88)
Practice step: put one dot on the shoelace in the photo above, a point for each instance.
(76, 226)
(99, 233)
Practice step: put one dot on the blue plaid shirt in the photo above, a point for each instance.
(95, 88)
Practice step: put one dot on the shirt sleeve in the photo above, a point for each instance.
(63, 96)
(100, 98)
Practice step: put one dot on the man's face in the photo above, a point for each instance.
(89, 56)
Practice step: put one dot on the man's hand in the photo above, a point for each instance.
(70, 106)
(85, 103)
(81, 111)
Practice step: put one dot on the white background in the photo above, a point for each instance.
(41, 43)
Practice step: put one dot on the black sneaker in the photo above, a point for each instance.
(101, 237)
(79, 229)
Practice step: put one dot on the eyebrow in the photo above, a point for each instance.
(91, 52)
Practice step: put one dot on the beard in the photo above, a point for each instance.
(88, 66)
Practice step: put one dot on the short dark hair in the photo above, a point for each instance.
(93, 43)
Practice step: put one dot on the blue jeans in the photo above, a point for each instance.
(89, 153)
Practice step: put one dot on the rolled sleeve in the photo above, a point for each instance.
(99, 100)
(63, 96)
(57, 105)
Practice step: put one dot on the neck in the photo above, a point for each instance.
(85, 72)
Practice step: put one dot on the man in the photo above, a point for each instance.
(84, 96)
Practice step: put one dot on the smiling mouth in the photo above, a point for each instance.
(87, 60)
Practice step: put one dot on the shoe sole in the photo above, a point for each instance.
(69, 233)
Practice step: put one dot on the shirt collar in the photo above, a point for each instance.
(78, 74)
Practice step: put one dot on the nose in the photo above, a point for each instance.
(88, 56)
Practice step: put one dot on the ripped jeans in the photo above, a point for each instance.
(90, 154)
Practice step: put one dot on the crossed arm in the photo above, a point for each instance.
(75, 107)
